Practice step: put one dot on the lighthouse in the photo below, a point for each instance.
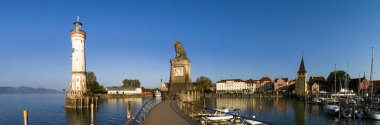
(77, 97)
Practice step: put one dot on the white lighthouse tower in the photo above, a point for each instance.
(76, 95)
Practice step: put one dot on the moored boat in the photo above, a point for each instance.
(373, 112)
(331, 108)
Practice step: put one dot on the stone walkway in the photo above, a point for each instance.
(167, 113)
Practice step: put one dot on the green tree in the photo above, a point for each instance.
(342, 80)
(92, 83)
(203, 83)
(135, 83)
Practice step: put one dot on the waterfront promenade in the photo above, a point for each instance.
(167, 113)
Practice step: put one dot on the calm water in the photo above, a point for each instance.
(283, 111)
(46, 109)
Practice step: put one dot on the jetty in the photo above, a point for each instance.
(168, 113)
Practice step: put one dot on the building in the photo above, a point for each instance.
(281, 84)
(301, 85)
(231, 86)
(164, 86)
(317, 84)
(251, 85)
(266, 84)
(76, 96)
(122, 90)
(360, 85)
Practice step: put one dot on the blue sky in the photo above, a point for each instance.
(223, 39)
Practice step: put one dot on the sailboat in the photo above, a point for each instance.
(331, 107)
(372, 111)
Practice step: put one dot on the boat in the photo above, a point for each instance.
(359, 114)
(344, 93)
(347, 112)
(331, 108)
(252, 122)
(316, 100)
(157, 93)
(373, 113)
(220, 115)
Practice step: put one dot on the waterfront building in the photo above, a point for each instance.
(76, 97)
(280, 84)
(266, 84)
(231, 86)
(359, 85)
(122, 90)
(301, 85)
(251, 85)
(317, 84)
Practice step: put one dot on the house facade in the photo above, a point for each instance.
(281, 84)
(122, 90)
(317, 84)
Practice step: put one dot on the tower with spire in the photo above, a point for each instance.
(301, 85)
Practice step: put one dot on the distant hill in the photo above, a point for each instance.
(27, 90)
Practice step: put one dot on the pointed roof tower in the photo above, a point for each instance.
(302, 67)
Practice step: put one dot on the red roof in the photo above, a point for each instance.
(265, 79)
(318, 79)
(285, 79)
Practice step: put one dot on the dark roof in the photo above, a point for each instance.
(251, 81)
(356, 80)
(235, 80)
(302, 67)
(265, 79)
(318, 78)
(285, 79)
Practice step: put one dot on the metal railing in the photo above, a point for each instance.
(139, 117)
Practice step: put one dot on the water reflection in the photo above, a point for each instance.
(109, 111)
(282, 111)
(300, 112)
(78, 117)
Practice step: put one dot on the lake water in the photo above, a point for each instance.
(48, 109)
(284, 111)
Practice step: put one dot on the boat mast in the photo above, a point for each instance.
(371, 75)
(347, 74)
(360, 88)
(335, 78)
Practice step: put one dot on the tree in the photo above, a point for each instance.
(342, 80)
(134, 83)
(92, 83)
(203, 83)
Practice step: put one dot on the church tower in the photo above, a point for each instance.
(78, 88)
(301, 85)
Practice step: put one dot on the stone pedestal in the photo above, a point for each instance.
(180, 79)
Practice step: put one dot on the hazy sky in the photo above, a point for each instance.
(223, 39)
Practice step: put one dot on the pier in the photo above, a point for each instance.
(168, 113)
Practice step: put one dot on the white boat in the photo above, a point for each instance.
(344, 93)
(157, 93)
(373, 113)
(220, 115)
(317, 100)
(252, 122)
(331, 108)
